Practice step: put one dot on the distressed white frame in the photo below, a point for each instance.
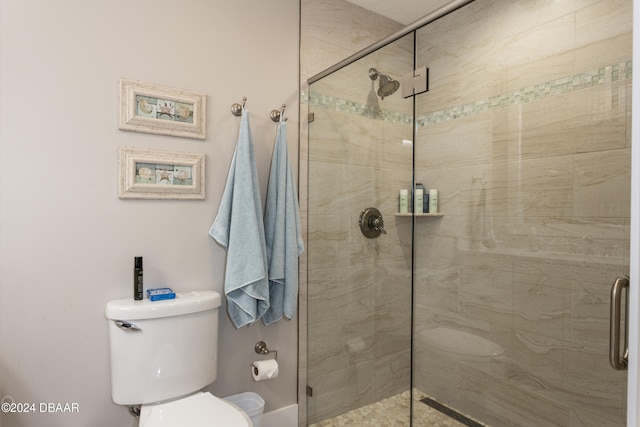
(130, 189)
(130, 120)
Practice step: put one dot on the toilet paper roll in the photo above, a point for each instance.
(264, 369)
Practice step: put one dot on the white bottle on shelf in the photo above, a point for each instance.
(433, 201)
(404, 201)
(417, 200)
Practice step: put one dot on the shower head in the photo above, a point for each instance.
(387, 85)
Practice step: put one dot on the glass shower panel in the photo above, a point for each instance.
(359, 288)
(525, 132)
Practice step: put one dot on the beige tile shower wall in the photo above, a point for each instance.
(332, 30)
(535, 193)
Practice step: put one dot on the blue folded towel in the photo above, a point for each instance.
(282, 233)
(239, 228)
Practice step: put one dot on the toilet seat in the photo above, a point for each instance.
(201, 409)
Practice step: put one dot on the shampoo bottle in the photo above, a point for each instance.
(137, 279)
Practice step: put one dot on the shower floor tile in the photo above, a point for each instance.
(392, 412)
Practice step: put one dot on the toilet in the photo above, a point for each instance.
(163, 354)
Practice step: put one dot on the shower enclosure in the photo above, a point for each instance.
(495, 310)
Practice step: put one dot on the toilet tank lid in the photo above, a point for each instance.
(184, 303)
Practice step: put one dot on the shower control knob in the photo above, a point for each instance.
(371, 223)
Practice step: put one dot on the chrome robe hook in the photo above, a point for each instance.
(236, 109)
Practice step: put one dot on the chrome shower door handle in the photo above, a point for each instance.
(618, 362)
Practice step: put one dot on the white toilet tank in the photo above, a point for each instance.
(164, 349)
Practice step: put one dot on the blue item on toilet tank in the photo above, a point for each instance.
(158, 294)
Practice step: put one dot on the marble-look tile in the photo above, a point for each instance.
(590, 119)
(533, 187)
(542, 49)
(392, 335)
(462, 142)
(447, 46)
(587, 418)
(327, 244)
(602, 184)
(486, 294)
(541, 307)
(590, 315)
(436, 288)
(340, 344)
(563, 372)
(329, 188)
(603, 20)
(343, 24)
(436, 375)
(392, 373)
(341, 292)
(330, 141)
(316, 54)
(501, 405)
(382, 148)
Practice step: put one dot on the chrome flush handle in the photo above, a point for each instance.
(127, 326)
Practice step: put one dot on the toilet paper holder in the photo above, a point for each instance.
(261, 348)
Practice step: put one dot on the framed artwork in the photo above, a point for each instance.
(158, 174)
(152, 108)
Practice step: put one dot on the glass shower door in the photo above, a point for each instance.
(525, 133)
(359, 287)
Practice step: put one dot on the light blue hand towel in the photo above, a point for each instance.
(283, 234)
(239, 228)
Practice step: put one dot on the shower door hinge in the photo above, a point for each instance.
(309, 391)
(416, 82)
(311, 117)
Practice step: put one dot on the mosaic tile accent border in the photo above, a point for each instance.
(355, 108)
(604, 75)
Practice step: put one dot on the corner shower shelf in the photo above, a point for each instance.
(418, 214)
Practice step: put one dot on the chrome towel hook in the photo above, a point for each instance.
(236, 109)
(277, 115)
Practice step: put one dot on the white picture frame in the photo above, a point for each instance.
(158, 109)
(159, 174)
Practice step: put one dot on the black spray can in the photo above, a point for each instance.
(137, 279)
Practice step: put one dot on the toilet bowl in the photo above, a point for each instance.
(460, 346)
(199, 409)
